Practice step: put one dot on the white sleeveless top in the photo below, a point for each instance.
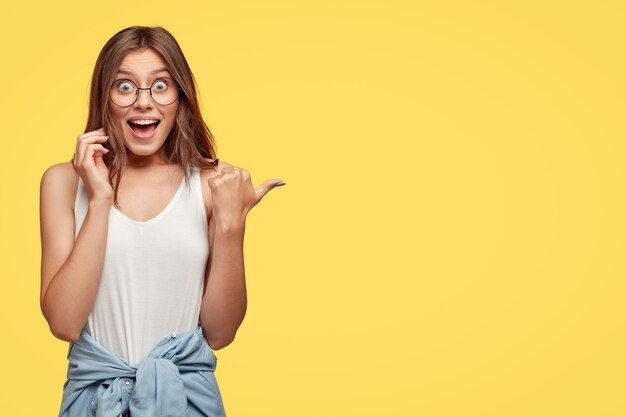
(153, 276)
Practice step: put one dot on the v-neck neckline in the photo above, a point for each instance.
(162, 213)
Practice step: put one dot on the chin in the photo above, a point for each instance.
(143, 149)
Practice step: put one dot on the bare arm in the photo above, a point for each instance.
(224, 302)
(71, 269)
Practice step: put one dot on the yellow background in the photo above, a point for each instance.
(451, 238)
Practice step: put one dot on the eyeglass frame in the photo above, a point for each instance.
(139, 88)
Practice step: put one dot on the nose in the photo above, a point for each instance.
(144, 99)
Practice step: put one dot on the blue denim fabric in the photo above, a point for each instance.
(176, 379)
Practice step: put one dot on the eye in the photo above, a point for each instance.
(124, 86)
(160, 85)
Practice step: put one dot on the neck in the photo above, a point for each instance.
(147, 161)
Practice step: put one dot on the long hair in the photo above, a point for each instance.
(189, 141)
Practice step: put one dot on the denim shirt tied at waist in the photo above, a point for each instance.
(176, 379)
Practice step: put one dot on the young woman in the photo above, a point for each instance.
(142, 241)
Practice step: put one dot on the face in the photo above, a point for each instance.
(141, 138)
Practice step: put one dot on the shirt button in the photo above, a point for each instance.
(173, 335)
(127, 381)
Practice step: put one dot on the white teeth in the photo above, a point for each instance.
(143, 122)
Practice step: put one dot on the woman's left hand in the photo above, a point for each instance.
(233, 195)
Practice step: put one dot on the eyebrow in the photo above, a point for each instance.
(163, 69)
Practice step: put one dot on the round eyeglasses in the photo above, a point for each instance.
(164, 91)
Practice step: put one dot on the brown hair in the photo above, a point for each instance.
(189, 141)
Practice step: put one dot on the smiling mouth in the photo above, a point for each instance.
(143, 130)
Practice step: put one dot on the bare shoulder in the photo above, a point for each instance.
(59, 183)
(63, 171)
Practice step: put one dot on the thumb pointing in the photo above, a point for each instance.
(262, 189)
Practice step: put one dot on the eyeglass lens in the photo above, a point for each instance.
(124, 93)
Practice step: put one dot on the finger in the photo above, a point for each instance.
(91, 139)
(263, 189)
(88, 140)
(96, 147)
(93, 151)
(83, 144)
(92, 133)
(215, 179)
(100, 151)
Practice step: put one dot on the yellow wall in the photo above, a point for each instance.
(451, 238)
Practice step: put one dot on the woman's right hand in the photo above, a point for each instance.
(90, 165)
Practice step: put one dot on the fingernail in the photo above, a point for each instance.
(281, 183)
